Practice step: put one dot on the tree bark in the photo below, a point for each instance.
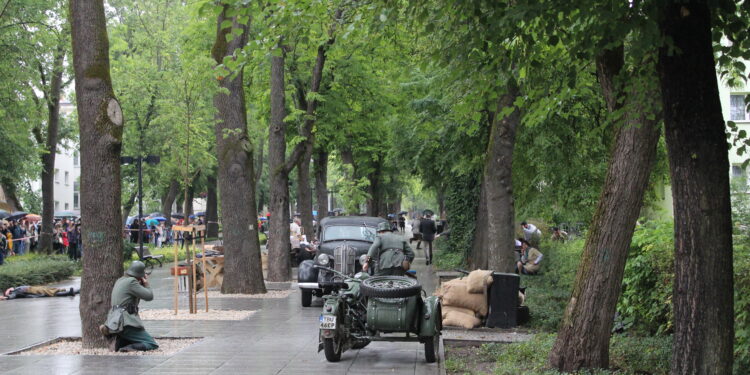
(168, 199)
(190, 197)
(321, 183)
(212, 207)
(478, 255)
(128, 206)
(52, 99)
(584, 335)
(10, 195)
(498, 183)
(243, 272)
(101, 125)
(304, 195)
(698, 159)
(278, 244)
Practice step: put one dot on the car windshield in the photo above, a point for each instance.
(349, 232)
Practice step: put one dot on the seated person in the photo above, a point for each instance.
(26, 291)
(530, 259)
(558, 235)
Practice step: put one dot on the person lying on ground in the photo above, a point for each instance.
(26, 291)
(529, 263)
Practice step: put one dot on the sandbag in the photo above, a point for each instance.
(447, 309)
(478, 280)
(459, 297)
(459, 319)
(448, 285)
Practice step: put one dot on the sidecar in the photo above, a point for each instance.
(379, 308)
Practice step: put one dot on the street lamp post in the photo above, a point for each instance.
(138, 160)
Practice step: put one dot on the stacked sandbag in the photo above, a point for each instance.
(464, 300)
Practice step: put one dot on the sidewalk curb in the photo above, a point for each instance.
(441, 360)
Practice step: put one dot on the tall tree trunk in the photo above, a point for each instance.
(376, 194)
(168, 199)
(11, 197)
(52, 98)
(212, 207)
(498, 183)
(243, 272)
(278, 244)
(698, 159)
(128, 206)
(321, 183)
(304, 196)
(101, 123)
(190, 197)
(478, 253)
(584, 335)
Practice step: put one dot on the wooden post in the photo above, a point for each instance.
(205, 284)
(194, 289)
(176, 279)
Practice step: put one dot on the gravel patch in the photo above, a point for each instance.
(73, 346)
(272, 294)
(165, 314)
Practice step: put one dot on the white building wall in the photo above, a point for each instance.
(67, 171)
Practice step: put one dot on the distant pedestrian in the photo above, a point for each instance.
(416, 235)
(428, 229)
(401, 223)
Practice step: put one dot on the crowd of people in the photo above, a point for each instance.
(157, 233)
(18, 237)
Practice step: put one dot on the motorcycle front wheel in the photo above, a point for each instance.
(332, 350)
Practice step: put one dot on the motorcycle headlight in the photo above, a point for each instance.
(323, 259)
(363, 259)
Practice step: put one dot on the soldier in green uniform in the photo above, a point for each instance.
(393, 253)
(127, 293)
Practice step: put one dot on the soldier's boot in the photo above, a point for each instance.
(70, 292)
(104, 330)
(139, 346)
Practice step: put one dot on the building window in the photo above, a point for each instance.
(57, 206)
(57, 175)
(76, 190)
(67, 206)
(737, 171)
(67, 175)
(737, 108)
(75, 158)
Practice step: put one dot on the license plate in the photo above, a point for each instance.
(327, 322)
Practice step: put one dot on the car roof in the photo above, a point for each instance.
(368, 221)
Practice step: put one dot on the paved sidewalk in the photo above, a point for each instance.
(281, 338)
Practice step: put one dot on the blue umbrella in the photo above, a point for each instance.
(159, 218)
(150, 222)
(4, 214)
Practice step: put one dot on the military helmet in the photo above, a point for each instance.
(137, 269)
(384, 227)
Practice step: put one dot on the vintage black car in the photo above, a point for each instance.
(343, 241)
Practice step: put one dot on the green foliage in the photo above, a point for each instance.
(646, 301)
(461, 202)
(628, 355)
(548, 293)
(35, 270)
(445, 259)
(742, 306)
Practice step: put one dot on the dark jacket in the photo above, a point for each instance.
(428, 229)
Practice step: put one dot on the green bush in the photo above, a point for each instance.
(36, 270)
(548, 293)
(741, 307)
(646, 301)
(628, 355)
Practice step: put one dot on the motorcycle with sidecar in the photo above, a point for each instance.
(364, 308)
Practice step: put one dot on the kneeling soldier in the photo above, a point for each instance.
(393, 253)
(127, 293)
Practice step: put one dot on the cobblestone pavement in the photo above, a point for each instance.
(281, 338)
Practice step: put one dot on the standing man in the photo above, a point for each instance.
(428, 229)
(531, 233)
(401, 223)
(393, 253)
(127, 293)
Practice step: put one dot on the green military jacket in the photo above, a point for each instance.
(128, 290)
(390, 250)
